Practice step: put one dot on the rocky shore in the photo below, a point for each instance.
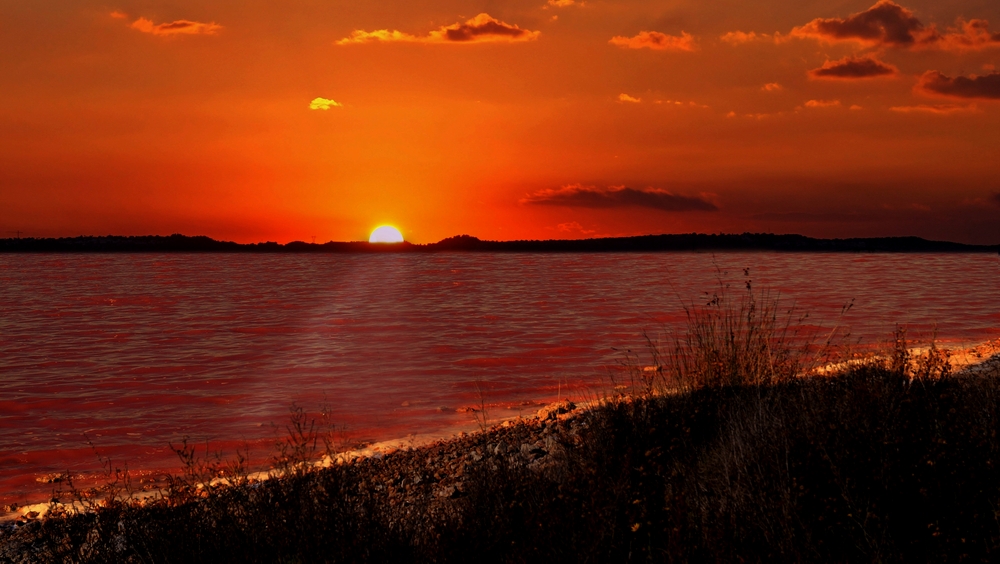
(878, 461)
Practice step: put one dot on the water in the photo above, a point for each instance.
(137, 351)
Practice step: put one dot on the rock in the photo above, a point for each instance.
(447, 492)
(553, 410)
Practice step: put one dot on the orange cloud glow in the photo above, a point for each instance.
(629, 99)
(480, 29)
(969, 36)
(822, 103)
(178, 27)
(741, 37)
(656, 41)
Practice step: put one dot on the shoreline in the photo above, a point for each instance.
(966, 359)
(686, 242)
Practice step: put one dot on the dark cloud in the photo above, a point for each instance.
(179, 27)
(888, 23)
(850, 68)
(885, 23)
(483, 26)
(982, 87)
(618, 197)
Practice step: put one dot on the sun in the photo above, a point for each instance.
(386, 234)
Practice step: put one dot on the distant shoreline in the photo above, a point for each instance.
(464, 243)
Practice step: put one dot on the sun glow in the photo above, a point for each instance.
(386, 234)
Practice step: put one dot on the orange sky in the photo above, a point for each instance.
(257, 120)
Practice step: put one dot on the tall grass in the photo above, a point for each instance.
(749, 340)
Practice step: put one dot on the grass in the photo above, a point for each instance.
(723, 449)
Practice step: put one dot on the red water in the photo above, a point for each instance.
(137, 351)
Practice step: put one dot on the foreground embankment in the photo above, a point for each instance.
(884, 461)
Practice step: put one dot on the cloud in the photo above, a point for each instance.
(629, 99)
(178, 27)
(888, 23)
(937, 109)
(885, 23)
(986, 87)
(323, 104)
(741, 37)
(361, 36)
(578, 196)
(851, 68)
(564, 3)
(822, 103)
(969, 36)
(480, 29)
(118, 15)
(574, 226)
(771, 87)
(656, 41)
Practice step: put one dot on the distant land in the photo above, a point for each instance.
(466, 243)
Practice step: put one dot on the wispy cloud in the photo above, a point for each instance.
(822, 103)
(626, 98)
(579, 196)
(852, 68)
(480, 29)
(771, 87)
(178, 27)
(656, 41)
(936, 109)
(986, 87)
(969, 35)
(119, 15)
(741, 37)
(564, 3)
(323, 104)
(574, 227)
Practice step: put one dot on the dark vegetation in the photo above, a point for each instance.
(465, 243)
(729, 447)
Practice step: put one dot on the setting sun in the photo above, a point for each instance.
(386, 234)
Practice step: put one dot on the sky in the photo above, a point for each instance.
(525, 119)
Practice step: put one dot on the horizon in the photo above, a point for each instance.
(530, 120)
(505, 241)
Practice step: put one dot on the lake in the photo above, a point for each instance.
(134, 351)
